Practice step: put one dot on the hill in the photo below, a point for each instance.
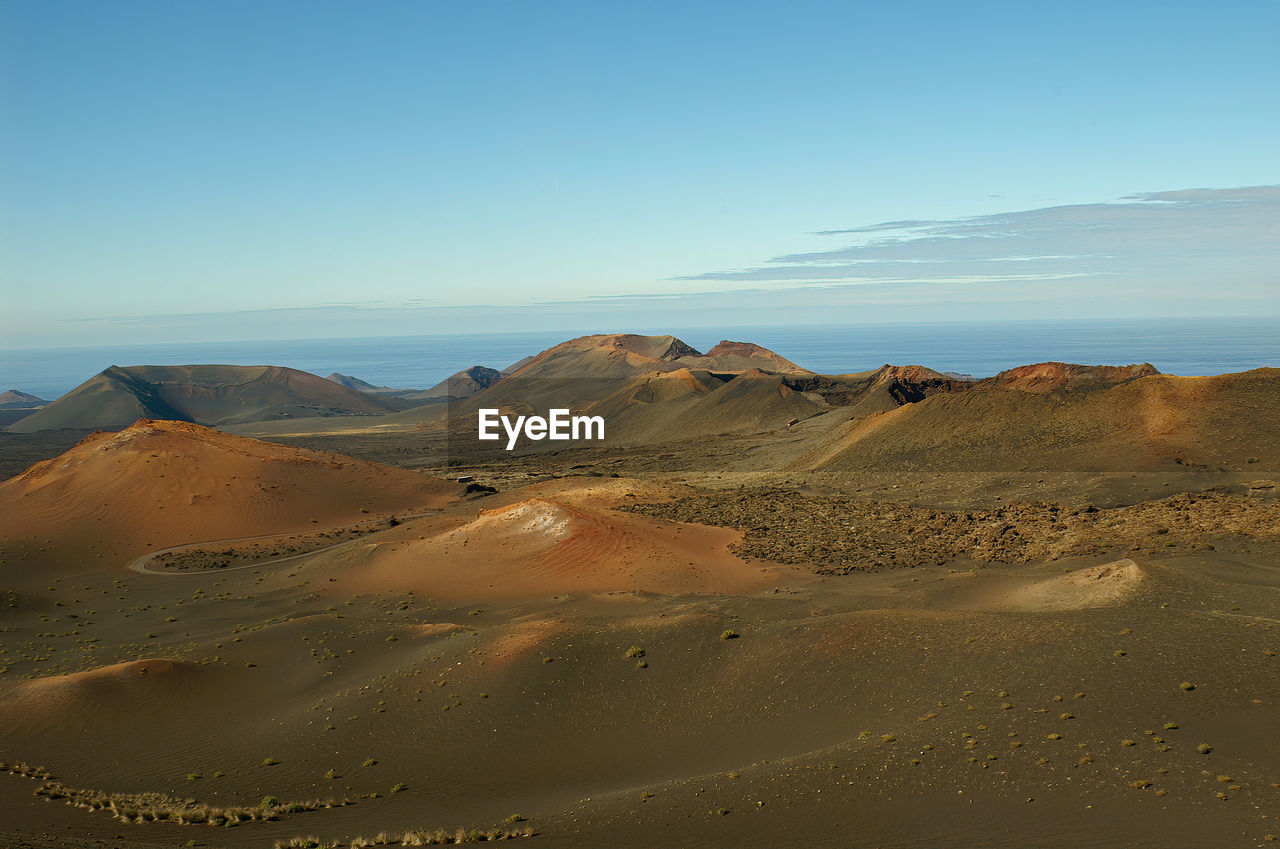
(742, 356)
(609, 368)
(205, 394)
(160, 483)
(605, 356)
(620, 355)
(463, 384)
(1066, 377)
(15, 400)
(684, 404)
(540, 546)
(361, 385)
(1137, 423)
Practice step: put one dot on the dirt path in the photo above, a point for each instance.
(139, 564)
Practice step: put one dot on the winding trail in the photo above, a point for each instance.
(139, 564)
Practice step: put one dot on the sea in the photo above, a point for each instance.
(1184, 346)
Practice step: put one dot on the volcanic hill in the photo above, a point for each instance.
(159, 483)
(205, 394)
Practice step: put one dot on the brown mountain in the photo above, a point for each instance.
(610, 355)
(463, 384)
(206, 394)
(615, 355)
(15, 400)
(1066, 377)
(1227, 421)
(742, 356)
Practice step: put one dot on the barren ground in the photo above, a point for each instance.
(681, 650)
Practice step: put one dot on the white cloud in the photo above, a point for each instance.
(1167, 241)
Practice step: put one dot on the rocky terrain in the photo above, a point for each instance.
(839, 535)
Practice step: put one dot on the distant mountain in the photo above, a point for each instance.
(589, 369)
(605, 356)
(742, 356)
(205, 394)
(463, 384)
(1067, 377)
(361, 386)
(15, 400)
(614, 355)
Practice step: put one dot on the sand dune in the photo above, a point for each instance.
(76, 701)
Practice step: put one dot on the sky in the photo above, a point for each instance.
(240, 170)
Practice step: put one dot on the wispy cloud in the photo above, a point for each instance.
(1191, 252)
(1174, 238)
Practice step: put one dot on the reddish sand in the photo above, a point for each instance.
(540, 547)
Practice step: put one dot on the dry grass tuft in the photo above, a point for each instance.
(160, 807)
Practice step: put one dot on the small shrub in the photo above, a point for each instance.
(728, 634)
(634, 651)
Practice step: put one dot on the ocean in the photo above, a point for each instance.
(1191, 346)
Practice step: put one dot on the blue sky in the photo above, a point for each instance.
(180, 171)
